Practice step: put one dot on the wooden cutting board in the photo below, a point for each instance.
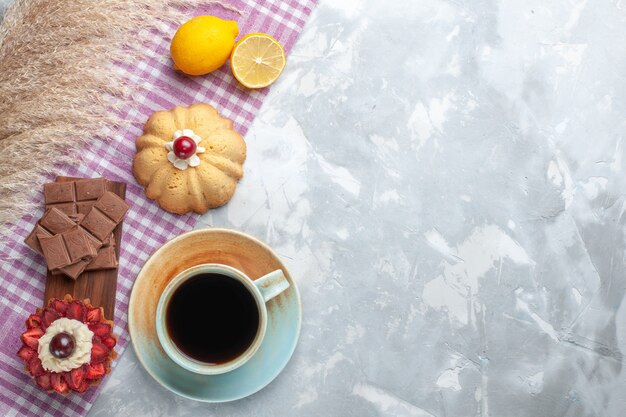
(99, 286)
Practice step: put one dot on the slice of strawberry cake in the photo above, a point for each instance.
(68, 345)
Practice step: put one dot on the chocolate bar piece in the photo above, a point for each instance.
(33, 241)
(54, 222)
(105, 215)
(75, 196)
(83, 214)
(112, 206)
(77, 244)
(58, 192)
(54, 250)
(73, 271)
(66, 248)
(99, 223)
(105, 259)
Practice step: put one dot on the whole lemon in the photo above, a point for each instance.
(203, 44)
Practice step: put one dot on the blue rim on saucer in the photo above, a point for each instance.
(245, 253)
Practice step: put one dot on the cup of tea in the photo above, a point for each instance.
(212, 318)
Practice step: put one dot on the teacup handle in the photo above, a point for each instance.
(272, 284)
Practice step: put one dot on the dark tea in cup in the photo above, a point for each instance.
(212, 318)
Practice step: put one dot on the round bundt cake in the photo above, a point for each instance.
(189, 159)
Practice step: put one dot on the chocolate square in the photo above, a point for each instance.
(90, 189)
(93, 242)
(32, 240)
(73, 270)
(77, 196)
(77, 245)
(98, 224)
(56, 221)
(114, 207)
(58, 192)
(84, 207)
(105, 259)
(54, 251)
(68, 208)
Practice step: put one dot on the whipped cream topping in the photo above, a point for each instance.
(193, 160)
(82, 346)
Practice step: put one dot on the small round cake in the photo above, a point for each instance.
(68, 345)
(189, 159)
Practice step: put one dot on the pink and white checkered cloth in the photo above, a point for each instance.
(146, 226)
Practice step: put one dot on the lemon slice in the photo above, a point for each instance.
(257, 60)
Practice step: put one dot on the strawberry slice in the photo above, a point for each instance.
(101, 330)
(94, 315)
(59, 383)
(49, 315)
(75, 378)
(34, 320)
(76, 310)
(43, 381)
(31, 337)
(26, 353)
(59, 306)
(34, 367)
(109, 342)
(83, 386)
(95, 370)
(99, 353)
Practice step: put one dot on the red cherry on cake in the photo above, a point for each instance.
(184, 147)
(62, 345)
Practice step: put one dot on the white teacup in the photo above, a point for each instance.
(262, 290)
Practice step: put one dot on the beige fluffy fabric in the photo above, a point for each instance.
(58, 84)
